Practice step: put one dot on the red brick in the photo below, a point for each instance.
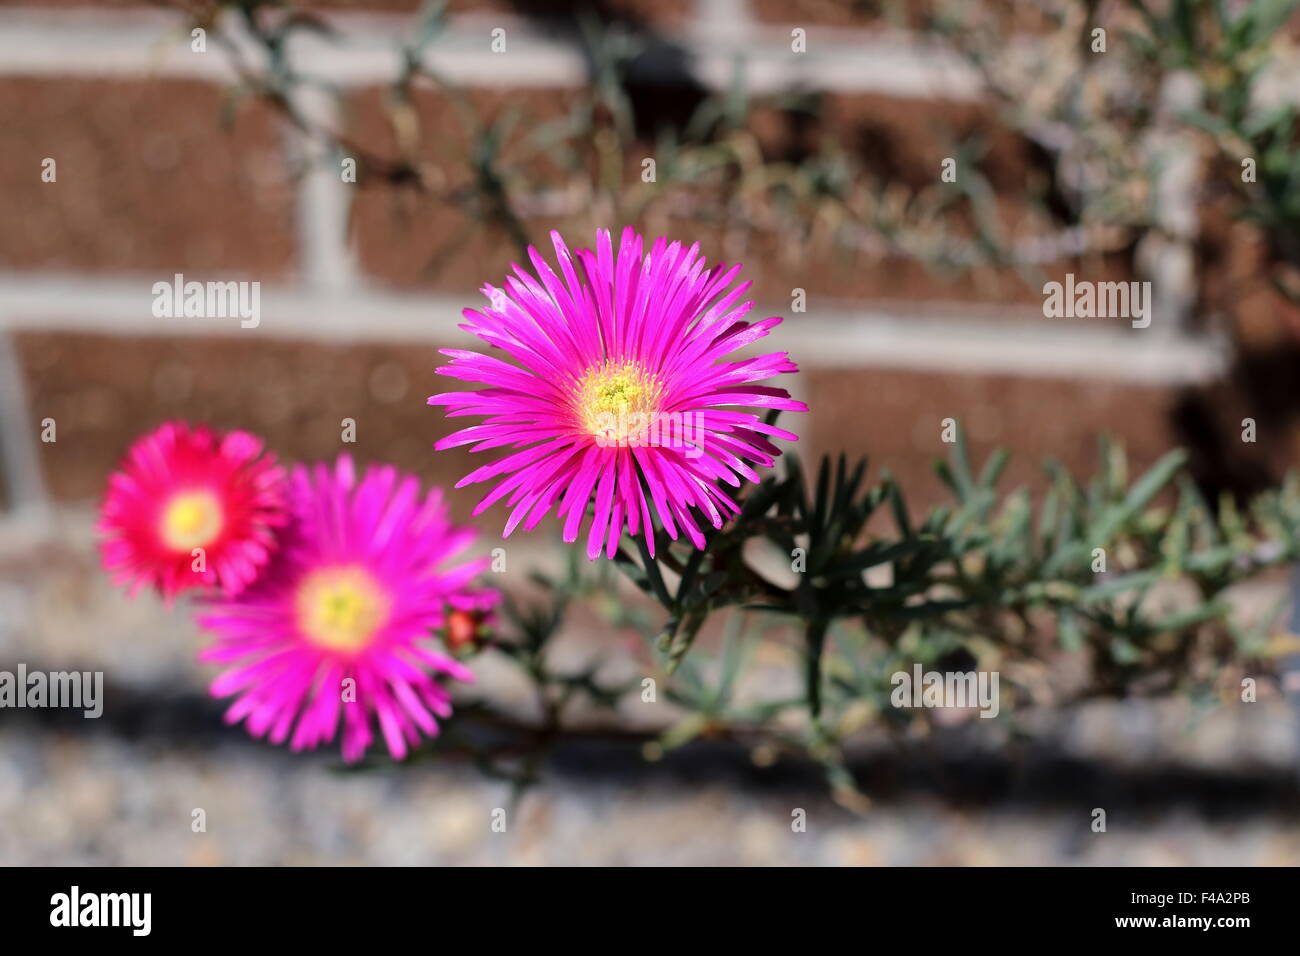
(416, 239)
(410, 237)
(105, 391)
(147, 179)
(1239, 288)
(74, 5)
(895, 418)
(860, 14)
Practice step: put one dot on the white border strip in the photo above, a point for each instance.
(947, 337)
(157, 43)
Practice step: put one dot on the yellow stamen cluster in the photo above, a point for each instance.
(341, 608)
(615, 400)
(191, 519)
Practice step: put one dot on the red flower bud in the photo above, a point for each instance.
(462, 632)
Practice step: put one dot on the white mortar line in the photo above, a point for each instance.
(711, 16)
(900, 63)
(92, 42)
(24, 483)
(1166, 256)
(323, 201)
(949, 337)
(157, 43)
(896, 63)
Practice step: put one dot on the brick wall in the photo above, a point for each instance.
(148, 180)
(160, 170)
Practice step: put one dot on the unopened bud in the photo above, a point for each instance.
(464, 631)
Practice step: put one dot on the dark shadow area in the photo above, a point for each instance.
(1262, 385)
(951, 766)
(661, 92)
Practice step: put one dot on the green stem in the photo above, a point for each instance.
(816, 636)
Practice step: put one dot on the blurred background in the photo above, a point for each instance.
(372, 164)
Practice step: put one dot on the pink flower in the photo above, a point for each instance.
(618, 389)
(338, 628)
(191, 508)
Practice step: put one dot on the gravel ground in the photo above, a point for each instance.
(1177, 788)
(70, 801)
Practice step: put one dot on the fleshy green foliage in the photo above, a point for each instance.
(962, 565)
(994, 580)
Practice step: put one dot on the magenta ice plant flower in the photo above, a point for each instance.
(615, 384)
(191, 508)
(339, 629)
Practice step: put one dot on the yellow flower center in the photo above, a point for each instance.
(192, 519)
(616, 400)
(341, 608)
